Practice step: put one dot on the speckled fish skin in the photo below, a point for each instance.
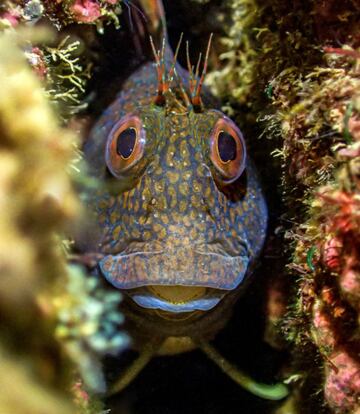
(172, 225)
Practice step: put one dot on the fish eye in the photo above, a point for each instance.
(125, 145)
(226, 147)
(227, 150)
(125, 142)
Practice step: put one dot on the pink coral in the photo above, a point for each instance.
(11, 16)
(350, 281)
(79, 392)
(332, 253)
(346, 219)
(37, 61)
(85, 11)
(342, 386)
(354, 127)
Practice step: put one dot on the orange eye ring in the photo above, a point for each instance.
(227, 150)
(125, 145)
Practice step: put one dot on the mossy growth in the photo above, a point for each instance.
(303, 63)
(37, 202)
(66, 76)
(55, 319)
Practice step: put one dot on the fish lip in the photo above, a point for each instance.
(218, 271)
(137, 244)
(150, 301)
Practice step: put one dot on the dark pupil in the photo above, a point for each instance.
(226, 147)
(126, 142)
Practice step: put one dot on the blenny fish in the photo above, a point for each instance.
(181, 215)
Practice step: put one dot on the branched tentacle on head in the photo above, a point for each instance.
(193, 100)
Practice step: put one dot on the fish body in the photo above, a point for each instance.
(181, 216)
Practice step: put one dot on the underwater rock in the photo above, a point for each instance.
(306, 91)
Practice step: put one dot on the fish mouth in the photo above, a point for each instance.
(176, 299)
(187, 279)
